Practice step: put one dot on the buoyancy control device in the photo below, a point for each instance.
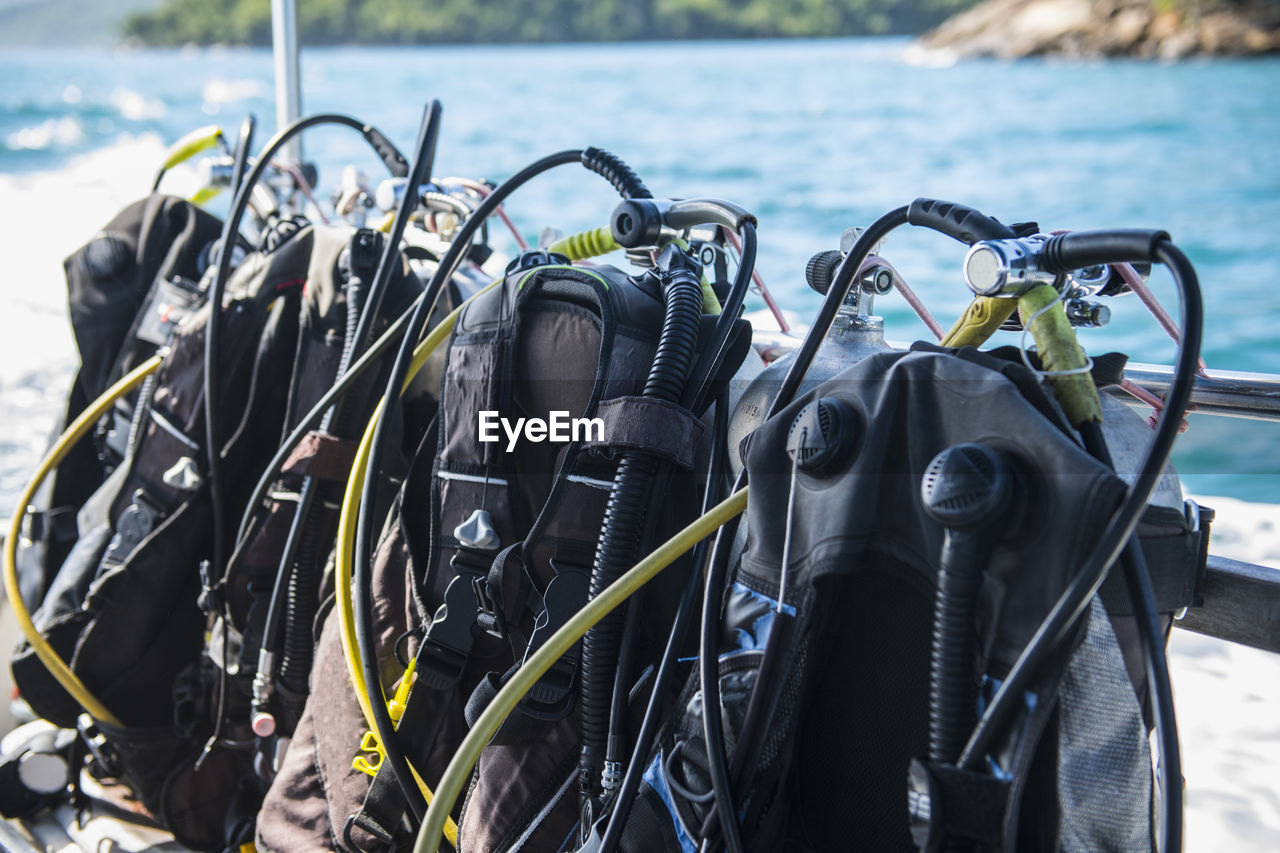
(491, 544)
(127, 288)
(913, 521)
(914, 620)
(130, 606)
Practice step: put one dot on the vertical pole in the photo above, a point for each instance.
(284, 43)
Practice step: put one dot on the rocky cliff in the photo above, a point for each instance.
(1088, 28)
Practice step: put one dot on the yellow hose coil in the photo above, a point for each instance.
(56, 665)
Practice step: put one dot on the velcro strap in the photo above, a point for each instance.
(424, 714)
(1175, 559)
(321, 456)
(654, 426)
(947, 802)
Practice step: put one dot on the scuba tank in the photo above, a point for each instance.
(855, 334)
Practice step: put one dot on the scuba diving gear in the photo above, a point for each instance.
(127, 288)
(967, 489)
(900, 625)
(128, 533)
(308, 539)
(525, 678)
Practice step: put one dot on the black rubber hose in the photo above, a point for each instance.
(960, 221)
(952, 688)
(1066, 252)
(299, 566)
(619, 544)
(1138, 580)
(704, 381)
(365, 522)
(616, 744)
(304, 553)
(1074, 601)
(615, 171)
(231, 228)
(626, 793)
(709, 678)
(213, 458)
(213, 444)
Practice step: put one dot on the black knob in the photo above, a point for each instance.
(820, 435)
(821, 270)
(636, 222)
(968, 485)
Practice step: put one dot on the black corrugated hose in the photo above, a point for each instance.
(366, 523)
(619, 543)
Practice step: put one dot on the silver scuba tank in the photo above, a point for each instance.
(855, 334)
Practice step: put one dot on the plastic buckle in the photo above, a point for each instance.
(488, 611)
(565, 595)
(447, 645)
(371, 756)
(531, 258)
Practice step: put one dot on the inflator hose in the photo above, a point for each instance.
(1074, 601)
(83, 423)
(952, 692)
(366, 524)
(458, 773)
(299, 568)
(304, 553)
(616, 172)
(624, 516)
(623, 799)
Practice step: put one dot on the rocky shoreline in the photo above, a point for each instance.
(1010, 29)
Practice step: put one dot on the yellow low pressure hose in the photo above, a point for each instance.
(979, 321)
(599, 241)
(53, 662)
(1060, 354)
(458, 773)
(201, 139)
(345, 551)
(586, 244)
(1061, 357)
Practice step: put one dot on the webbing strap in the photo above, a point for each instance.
(384, 805)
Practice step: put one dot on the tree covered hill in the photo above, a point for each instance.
(177, 22)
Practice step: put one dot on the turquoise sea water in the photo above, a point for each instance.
(812, 135)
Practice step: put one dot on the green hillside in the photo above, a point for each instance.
(67, 22)
(177, 22)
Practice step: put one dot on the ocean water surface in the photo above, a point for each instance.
(814, 136)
